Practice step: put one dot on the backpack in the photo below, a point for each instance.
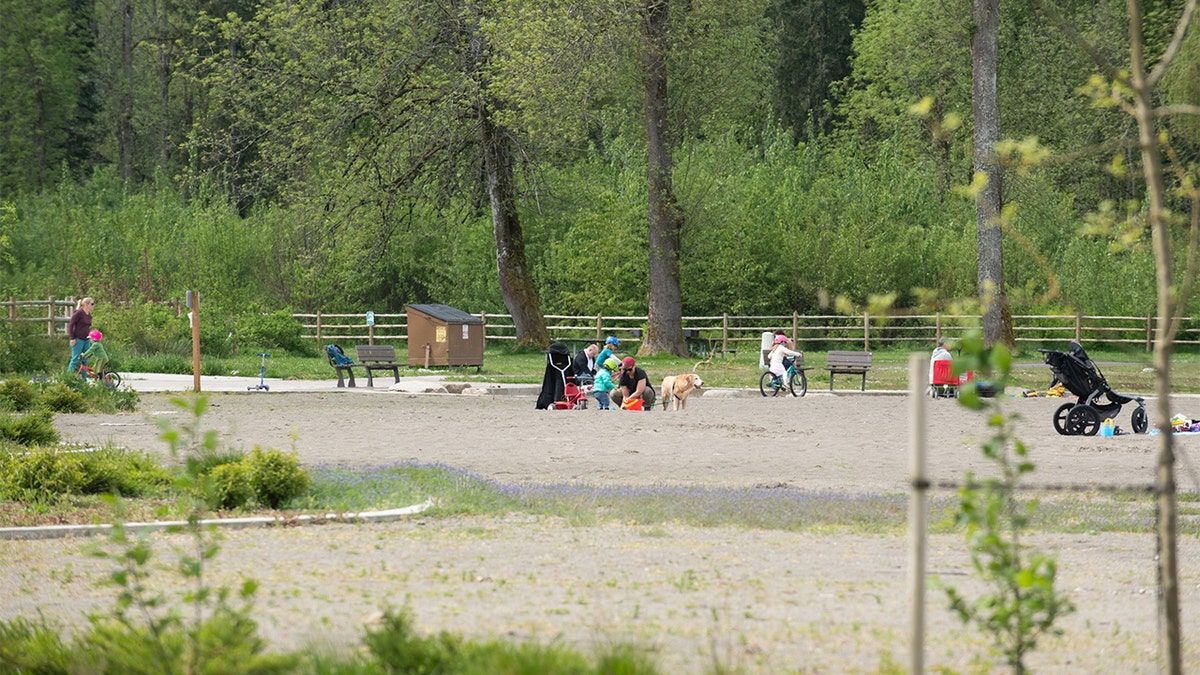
(336, 356)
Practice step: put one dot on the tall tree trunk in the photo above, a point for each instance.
(160, 11)
(516, 286)
(664, 330)
(997, 319)
(125, 121)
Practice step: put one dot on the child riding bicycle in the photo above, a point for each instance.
(95, 358)
(777, 356)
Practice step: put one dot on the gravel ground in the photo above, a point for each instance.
(763, 601)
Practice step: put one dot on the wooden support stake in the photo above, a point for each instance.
(196, 341)
(918, 367)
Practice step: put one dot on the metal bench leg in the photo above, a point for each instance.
(340, 382)
(350, 373)
(864, 381)
(370, 379)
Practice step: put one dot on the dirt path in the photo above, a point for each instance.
(764, 601)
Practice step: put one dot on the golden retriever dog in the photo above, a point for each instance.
(675, 389)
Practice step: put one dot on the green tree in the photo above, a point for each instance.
(44, 105)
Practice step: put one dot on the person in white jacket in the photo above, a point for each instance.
(778, 353)
(940, 353)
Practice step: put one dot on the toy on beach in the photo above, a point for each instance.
(262, 375)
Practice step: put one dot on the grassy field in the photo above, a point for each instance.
(1125, 371)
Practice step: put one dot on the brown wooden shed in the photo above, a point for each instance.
(440, 335)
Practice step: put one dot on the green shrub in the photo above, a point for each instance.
(228, 486)
(29, 430)
(124, 399)
(61, 398)
(28, 647)
(225, 642)
(123, 472)
(147, 328)
(204, 461)
(41, 472)
(277, 477)
(99, 398)
(24, 348)
(271, 330)
(397, 647)
(18, 395)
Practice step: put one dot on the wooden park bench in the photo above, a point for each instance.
(377, 357)
(853, 363)
(370, 358)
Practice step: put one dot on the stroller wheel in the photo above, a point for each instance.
(1138, 420)
(1060, 418)
(1083, 420)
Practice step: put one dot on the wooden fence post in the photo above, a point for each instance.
(12, 308)
(318, 328)
(724, 333)
(599, 327)
(937, 328)
(1149, 331)
(866, 331)
(795, 328)
(1078, 327)
(483, 318)
(50, 317)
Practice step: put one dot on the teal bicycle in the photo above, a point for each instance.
(793, 380)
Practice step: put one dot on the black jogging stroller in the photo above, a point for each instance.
(1097, 401)
(559, 389)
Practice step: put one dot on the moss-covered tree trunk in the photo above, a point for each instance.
(516, 286)
(664, 329)
(997, 318)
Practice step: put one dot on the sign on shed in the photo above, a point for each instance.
(440, 335)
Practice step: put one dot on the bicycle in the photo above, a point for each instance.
(108, 378)
(793, 379)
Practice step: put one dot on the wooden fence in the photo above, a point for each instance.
(728, 332)
(724, 333)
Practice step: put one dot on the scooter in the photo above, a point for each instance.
(262, 375)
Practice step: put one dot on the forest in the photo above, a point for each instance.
(352, 155)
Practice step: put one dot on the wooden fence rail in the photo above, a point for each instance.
(726, 332)
(723, 332)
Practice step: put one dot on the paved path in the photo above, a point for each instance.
(161, 382)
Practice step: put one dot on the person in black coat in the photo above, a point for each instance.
(584, 364)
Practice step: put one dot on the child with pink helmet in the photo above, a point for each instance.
(95, 356)
(778, 353)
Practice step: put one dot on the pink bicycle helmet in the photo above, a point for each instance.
(96, 336)
(780, 339)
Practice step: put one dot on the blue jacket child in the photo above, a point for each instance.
(603, 382)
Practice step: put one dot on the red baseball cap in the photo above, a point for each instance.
(628, 362)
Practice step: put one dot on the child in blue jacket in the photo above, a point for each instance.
(604, 383)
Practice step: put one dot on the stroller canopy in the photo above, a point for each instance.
(554, 381)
